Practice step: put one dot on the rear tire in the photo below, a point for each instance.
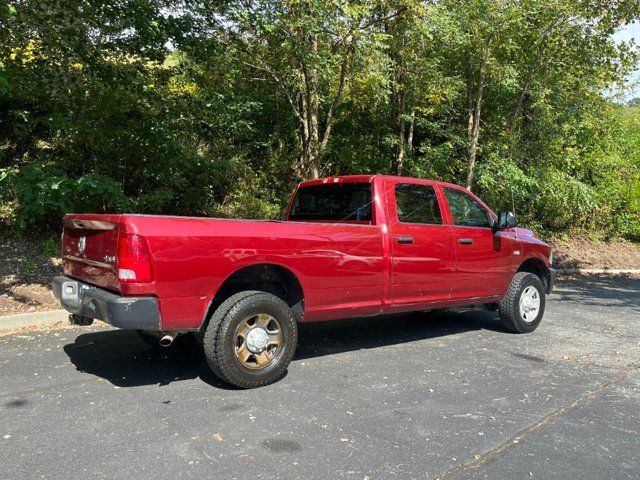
(245, 359)
(522, 308)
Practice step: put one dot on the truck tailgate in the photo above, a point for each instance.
(90, 249)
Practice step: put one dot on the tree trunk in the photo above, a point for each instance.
(475, 126)
(305, 159)
(518, 107)
(334, 103)
(314, 133)
(309, 118)
(314, 141)
(400, 121)
(469, 96)
(410, 135)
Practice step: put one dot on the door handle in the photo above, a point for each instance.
(465, 241)
(405, 239)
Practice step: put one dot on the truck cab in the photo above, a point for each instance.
(442, 243)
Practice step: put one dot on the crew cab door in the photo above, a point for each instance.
(422, 253)
(483, 256)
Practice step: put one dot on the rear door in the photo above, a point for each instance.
(422, 254)
(90, 249)
(483, 265)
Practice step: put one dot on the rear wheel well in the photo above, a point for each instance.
(537, 267)
(266, 277)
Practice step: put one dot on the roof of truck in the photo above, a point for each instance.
(368, 178)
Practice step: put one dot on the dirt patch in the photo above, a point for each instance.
(589, 254)
(25, 275)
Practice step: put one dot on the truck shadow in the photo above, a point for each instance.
(122, 358)
(327, 338)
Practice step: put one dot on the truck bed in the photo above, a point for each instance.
(341, 265)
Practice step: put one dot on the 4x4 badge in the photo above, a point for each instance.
(82, 244)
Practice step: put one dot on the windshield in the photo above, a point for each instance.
(339, 202)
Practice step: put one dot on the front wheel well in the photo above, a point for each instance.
(537, 267)
(265, 277)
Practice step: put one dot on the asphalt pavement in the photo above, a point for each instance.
(427, 395)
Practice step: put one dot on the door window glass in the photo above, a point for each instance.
(465, 210)
(417, 204)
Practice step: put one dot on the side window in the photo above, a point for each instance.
(465, 210)
(417, 204)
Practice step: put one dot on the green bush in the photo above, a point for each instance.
(44, 195)
(50, 247)
(564, 202)
(505, 186)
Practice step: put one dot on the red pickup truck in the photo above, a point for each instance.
(351, 246)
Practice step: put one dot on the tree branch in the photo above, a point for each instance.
(334, 102)
(282, 84)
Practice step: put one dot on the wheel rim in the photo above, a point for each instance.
(530, 304)
(258, 339)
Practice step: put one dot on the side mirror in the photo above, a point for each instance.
(506, 220)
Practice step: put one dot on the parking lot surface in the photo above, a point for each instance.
(427, 395)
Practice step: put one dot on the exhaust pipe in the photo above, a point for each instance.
(168, 337)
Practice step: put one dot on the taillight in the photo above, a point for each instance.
(134, 259)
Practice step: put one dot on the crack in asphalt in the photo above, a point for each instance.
(527, 432)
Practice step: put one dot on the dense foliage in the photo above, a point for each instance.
(219, 107)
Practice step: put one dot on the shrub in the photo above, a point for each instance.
(50, 248)
(44, 196)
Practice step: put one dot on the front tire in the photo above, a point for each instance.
(251, 339)
(522, 308)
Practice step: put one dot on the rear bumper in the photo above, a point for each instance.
(140, 313)
(551, 280)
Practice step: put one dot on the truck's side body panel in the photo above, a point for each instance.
(339, 266)
(345, 269)
(484, 267)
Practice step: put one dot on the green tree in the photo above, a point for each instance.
(312, 51)
(216, 108)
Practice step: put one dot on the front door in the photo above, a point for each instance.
(483, 257)
(422, 254)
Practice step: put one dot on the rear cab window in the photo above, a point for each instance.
(333, 202)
